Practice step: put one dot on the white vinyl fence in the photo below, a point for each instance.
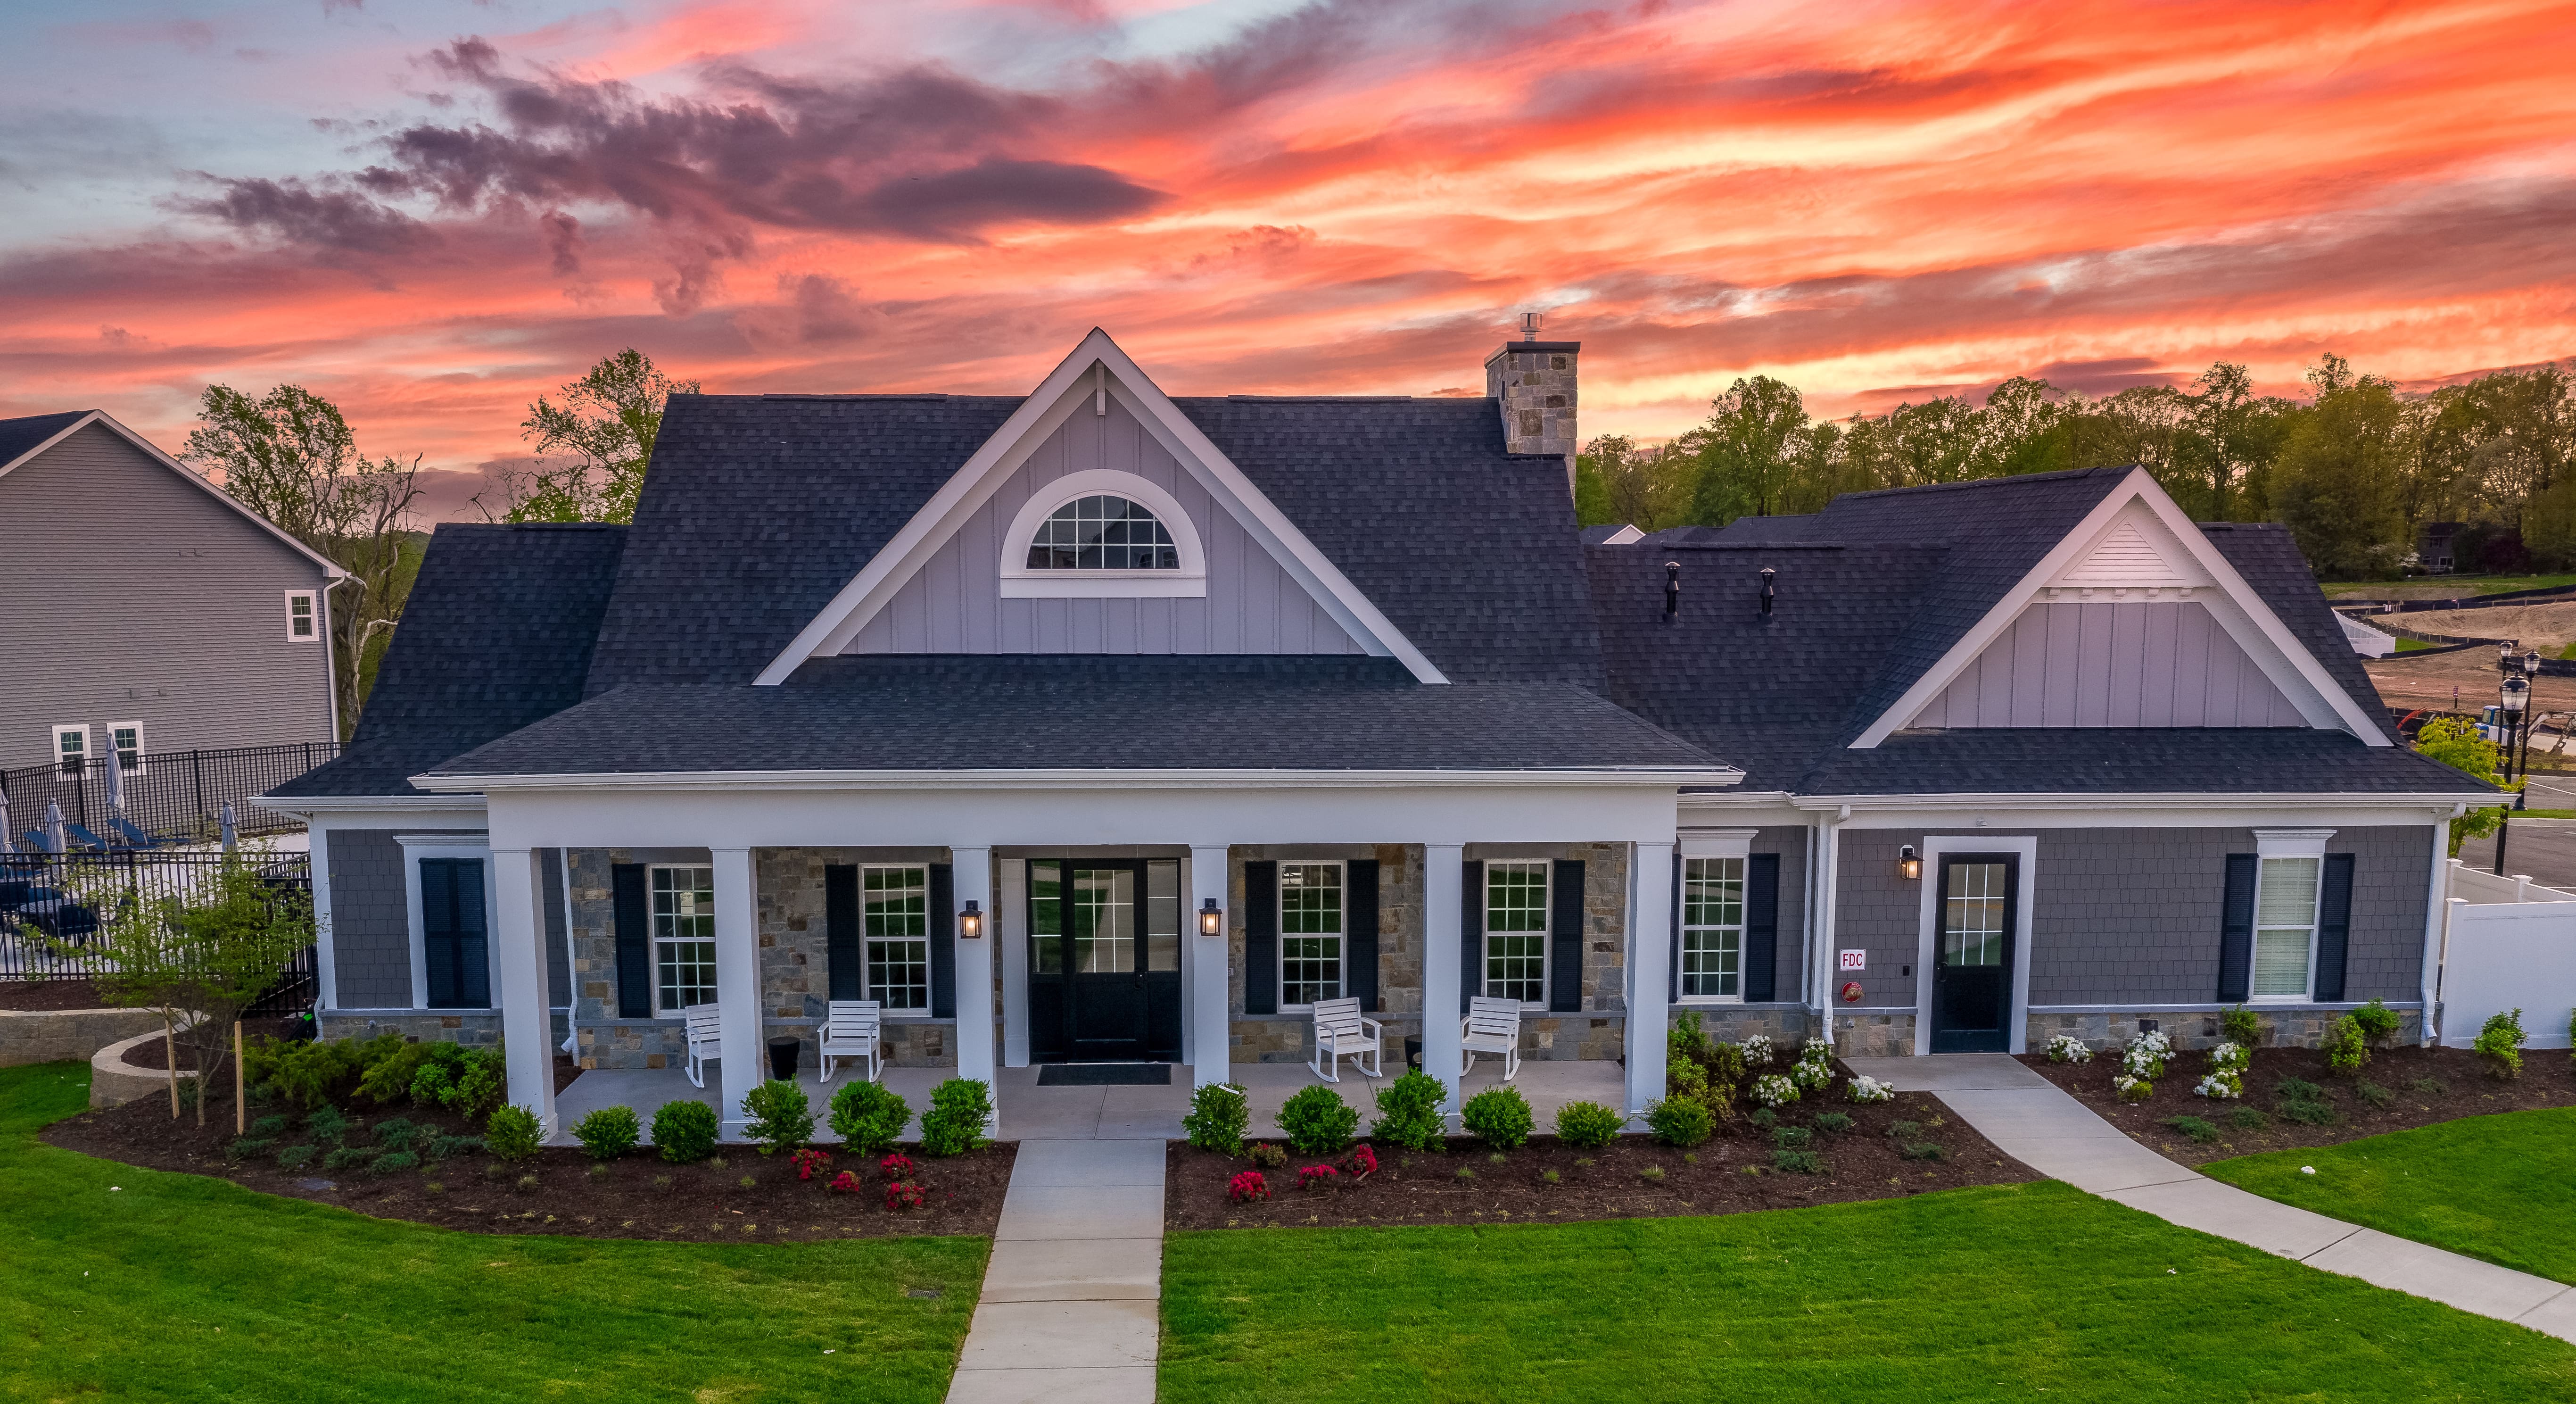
(2507, 944)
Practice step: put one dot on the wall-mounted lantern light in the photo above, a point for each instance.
(1908, 866)
(970, 922)
(1211, 918)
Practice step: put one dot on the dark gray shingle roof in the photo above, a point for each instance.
(497, 634)
(2215, 760)
(23, 433)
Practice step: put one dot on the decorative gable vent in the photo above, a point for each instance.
(2137, 553)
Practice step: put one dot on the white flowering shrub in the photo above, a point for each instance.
(2132, 1089)
(2146, 1056)
(2225, 1079)
(2067, 1048)
(1773, 1090)
(1870, 1089)
(1814, 1070)
(1757, 1051)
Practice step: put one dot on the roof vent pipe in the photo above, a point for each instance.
(1768, 575)
(1672, 590)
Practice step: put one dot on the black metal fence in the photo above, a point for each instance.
(52, 906)
(170, 796)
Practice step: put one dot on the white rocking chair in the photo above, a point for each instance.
(703, 1035)
(1341, 1031)
(1491, 1026)
(851, 1034)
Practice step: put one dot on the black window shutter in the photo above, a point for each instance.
(841, 955)
(438, 929)
(943, 941)
(1565, 936)
(1260, 937)
(2236, 928)
(473, 940)
(1761, 928)
(1471, 927)
(634, 946)
(1359, 931)
(2334, 926)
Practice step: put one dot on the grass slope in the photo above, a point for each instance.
(1970, 1294)
(2452, 586)
(2500, 1187)
(119, 1283)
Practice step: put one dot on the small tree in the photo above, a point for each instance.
(2457, 743)
(212, 952)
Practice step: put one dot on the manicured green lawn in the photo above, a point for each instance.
(2413, 646)
(2459, 586)
(2500, 1187)
(1976, 1294)
(118, 1283)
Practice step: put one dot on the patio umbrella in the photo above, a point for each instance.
(230, 838)
(114, 769)
(56, 841)
(7, 844)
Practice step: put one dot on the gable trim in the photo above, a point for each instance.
(984, 472)
(331, 569)
(2234, 603)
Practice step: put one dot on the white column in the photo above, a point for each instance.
(519, 944)
(2437, 914)
(1211, 991)
(742, 1066)
(1441, 915)
(1010, 926)
(1650, 975)
(974, 879)
(326, 966)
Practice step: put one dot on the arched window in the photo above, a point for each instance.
(1102, 532)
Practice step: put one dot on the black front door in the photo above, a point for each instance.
(1972, 957)
(1104, 959)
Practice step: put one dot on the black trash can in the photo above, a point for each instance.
(782, 1057)
(1413, 1053)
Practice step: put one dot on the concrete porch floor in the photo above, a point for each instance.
(1031, 1112)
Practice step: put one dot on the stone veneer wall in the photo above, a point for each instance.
(2294, 1026)
(604, 1039)
(795, 955)
(29, 1036)
(470, 1029)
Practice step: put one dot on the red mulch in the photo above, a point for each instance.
(1731, 1173)
(73, 992)
(638, 1196)
(2427, 1085)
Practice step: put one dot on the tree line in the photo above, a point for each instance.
(2355, 470)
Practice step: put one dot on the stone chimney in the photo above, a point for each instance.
(1534, 380)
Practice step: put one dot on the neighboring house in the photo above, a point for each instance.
(987, 708)
(147, 612)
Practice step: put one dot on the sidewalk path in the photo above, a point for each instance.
(1072, 1299)
(2032, 1121)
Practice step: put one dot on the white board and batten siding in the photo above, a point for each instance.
(128, 595)
(954, 604)
(2121, 663)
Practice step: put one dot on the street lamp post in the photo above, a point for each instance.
(2513, 697)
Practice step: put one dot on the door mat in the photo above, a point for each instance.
(1105, 1075)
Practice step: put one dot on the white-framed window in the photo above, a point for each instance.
(1311, 930)
(1516, 932)
(126, 739)
(303, 616)
(1713, 928)
(71, 746)
(1102, 534)
(894, 917)
(684, 937)
(2291, 874)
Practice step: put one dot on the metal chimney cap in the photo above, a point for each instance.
(1529, 326)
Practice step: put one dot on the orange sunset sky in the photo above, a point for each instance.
(431, 212)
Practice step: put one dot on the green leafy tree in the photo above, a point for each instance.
(291, 457)
(593, 448)
(1748, 451)
(1618, 480)
(2457, 743)
(2337, 484)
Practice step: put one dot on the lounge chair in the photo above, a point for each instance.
(133, 836)
(1491, 1026)
(704, 1038)
(86, 839)
(852, 1032)
(1341, 1031)
(34, 841)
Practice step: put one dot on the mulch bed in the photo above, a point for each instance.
(79, 992)
(1731, 1173)
(2428, 1085)
(638, 1196)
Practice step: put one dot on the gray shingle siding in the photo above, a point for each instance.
(370, 920)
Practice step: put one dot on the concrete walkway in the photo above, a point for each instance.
(1072, 1299)
(2029, 1119)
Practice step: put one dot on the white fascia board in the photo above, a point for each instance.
(2250, 621)
(330, 569)
(1054, 400)
(2115, 804)
(309, 807)
(1069, 778)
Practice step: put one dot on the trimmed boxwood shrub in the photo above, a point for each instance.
(1679, 1121)
(1500, 1117)
(960, 1108)
(868, 1118)
(777, 1114)
(513, 1133)
(1408, 1112)
(1317, 1121)
(609, 1132)
(1218, 1118)
(1588, 1124)
(685, 1131)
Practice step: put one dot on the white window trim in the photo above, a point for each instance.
(867, 984)
(1546, 932)
(1928, 935)
(139, 753)
(1714, 844)
(653, 944)
(1280, 916)
(474, 846)
(55, 745)
(2287, 843)
(1019, 582)
(312, 598)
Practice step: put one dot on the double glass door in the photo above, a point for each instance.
(1104, 959)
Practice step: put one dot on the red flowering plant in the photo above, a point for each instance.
(904, 1194)
(896, 1167)
(844, 1183)
(1314, 1175)
(810, 1162)
(1247, 1187)
(1360, 1163)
